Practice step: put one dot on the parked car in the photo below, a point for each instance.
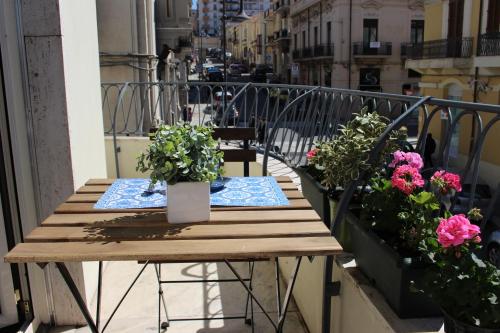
(214, 74)
(237, 69)
(259, 73)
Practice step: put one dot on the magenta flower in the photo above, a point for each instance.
(456, 230)
(412, 159)
(311, 153)
(406, 179)
(446, 181)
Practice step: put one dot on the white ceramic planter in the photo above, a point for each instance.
(188, 202)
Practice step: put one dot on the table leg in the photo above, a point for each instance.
(77, 296)
(99, 293)
(331, 289)
(288, 295)
(286, 302)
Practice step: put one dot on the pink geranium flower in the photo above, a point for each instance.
(412, 159)
(310, 154)
(446, 181)
(406, 179)
(456, 230)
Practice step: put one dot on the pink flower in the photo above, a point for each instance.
(446, 181)
(412, 159)
(406, 178)
(456, 230)
(310, 154)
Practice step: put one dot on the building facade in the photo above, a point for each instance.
(210, 13)
(459, 59)
(356, 44)
(279, 38)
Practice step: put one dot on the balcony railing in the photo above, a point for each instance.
(322, 50)
(185, 42)
(443, 48)
(372, 49)
(281, 34)
(411, 50)
(281, 5)
(489, 44)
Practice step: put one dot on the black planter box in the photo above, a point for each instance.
(316, 194)
(391, 274)
(454, 326)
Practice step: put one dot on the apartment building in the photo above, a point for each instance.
(279, 39)
(459, 59)
(210, 13)
(356, 44)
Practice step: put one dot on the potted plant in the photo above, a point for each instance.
(187, 159)
(466, 288)
(333, 164)
(397, 216)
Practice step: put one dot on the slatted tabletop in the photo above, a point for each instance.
(78, 232)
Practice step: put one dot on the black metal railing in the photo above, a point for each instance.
(296, 54)
(323, 50)
(411, 50)
(489, 44)
(185, 42)
(443, 48)
(372, 48)
(281, 4)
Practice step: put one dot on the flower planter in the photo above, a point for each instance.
(391, 274)
(188, 202)
(316, 194)
(452, 325)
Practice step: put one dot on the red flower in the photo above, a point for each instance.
(312, 153)
(406, 179)
(446, 181)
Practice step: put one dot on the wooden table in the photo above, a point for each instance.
(77, 232)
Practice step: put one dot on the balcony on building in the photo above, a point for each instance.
(268, 15)
(488, 52)
(450, 53)
(184, 42)
(371, 50)
(282, 6)
(411, 50)
(323, 50)
(313, 53)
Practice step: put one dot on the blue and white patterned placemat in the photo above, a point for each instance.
(238, 191)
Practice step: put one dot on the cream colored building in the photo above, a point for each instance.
(356, 44)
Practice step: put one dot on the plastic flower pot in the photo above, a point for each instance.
(391, 274)
(188, 202)
(452, 325)
(316, 194)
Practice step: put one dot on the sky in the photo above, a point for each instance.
(193, 4)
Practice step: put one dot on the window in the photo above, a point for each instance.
(413, 74)
(329, 33)
(303, 39)
(493, 21)
(370, 30)
(455, 19)
(417, 31)
(295, 42)
(315, 36)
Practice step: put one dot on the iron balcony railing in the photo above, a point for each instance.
(321, 50)
(281, 5)
(411, 50)
(372, 48)
(443, 48)
(185, 42)
(489, 44)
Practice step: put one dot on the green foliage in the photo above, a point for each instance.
(466, 287)
(404, 221)
(181, 153)
(345, 157)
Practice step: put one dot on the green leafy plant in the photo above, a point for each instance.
(337, 162)
(182, 153)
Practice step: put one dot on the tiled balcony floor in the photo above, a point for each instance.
(138, 312)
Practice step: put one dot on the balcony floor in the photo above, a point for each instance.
(138, 312)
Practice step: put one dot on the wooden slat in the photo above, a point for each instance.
(174, 250)
(103, 188)
(93, 197)
(88, 207)
(178, 231)
(159, 218)
(109, 181)
(239, 155)
(240, 133)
